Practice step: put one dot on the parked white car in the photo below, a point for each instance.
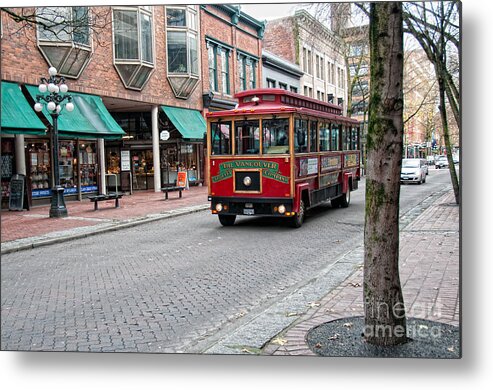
(413, 170)
(441, 162)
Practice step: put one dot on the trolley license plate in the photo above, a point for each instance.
(248, 211)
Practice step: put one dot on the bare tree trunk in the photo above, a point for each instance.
(446, 140)
(441, 73)
(385, 322)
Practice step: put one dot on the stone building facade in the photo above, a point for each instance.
(303, 40)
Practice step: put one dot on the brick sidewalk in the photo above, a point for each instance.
(429, 273)
(36, 222)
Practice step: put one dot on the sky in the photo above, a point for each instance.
(269, 11)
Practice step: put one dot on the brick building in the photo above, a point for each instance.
(141, 69)
(231, 51)
(303, 40)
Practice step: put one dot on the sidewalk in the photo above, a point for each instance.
(30, 228)
(429, 273)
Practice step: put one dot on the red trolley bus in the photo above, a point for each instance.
(278, 154)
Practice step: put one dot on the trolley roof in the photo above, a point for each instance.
(277, 101)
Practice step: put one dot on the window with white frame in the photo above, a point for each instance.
(247, 66)
(182, 49)
(309, 62)
(133, 45)
(252, 82)
(225, 71)
(66, 43)
(212, 58)
(305, 63)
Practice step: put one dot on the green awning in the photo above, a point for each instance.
(89, 119)
(190, 123)
(18, 117)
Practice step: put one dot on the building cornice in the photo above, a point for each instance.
(237, 16)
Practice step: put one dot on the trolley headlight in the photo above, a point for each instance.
(281, 209)
(219, 207)
(247, 181)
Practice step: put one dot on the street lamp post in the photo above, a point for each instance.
(57, 94)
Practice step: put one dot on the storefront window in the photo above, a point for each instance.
(66, 166)
(40, 169)
(88, 167)
(143, 169)
(74, 167)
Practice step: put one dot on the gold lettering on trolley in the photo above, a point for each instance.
(269, 169)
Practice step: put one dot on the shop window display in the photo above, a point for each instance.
(40, 169)
(88, 167)
(71, 165)
(143, 170)
(66, 166)
(176, 158)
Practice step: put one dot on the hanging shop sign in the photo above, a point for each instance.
(164, 135)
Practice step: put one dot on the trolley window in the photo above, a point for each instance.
(221, 138)
(275, 134)
(324, 136)
(300, 135)
(247, 137)
(334, 144)
(313, 136)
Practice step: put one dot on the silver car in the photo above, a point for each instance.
(413, 170)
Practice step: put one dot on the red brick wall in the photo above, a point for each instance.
(279, 39)
(23, 62)
(223, 31)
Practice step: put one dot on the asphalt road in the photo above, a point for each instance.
(185, 284)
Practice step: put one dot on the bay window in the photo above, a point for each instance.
(66, 43)
(133, 45)
(182, 49)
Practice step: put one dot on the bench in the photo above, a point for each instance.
(110, 196)
(171, 188)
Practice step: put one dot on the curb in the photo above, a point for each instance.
(255, 333)
(35, 242)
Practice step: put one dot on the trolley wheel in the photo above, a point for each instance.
(227, 220)
(343, 200)
(298, 219)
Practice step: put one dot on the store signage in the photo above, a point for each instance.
(125, 160)
(17, 192)
(164, 135)
(181, 179)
